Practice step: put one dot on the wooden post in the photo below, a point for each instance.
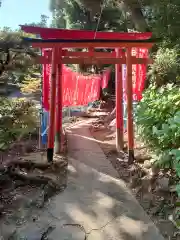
(129, 107)
(119, 106)
(51, 132)
(59, 102)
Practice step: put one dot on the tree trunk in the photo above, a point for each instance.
(136, 14)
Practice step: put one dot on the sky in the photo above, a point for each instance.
(16, 12)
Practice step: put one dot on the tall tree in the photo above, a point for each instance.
(131, 8)
(72, 14)
(15, 58)
(164, 18)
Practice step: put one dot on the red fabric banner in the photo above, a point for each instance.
(80, 90)
(105, 78)
(141, 73)
(77, 88)
(138, 74)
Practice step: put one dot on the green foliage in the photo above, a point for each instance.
(165, 67)
(17, 60)
(157, 117)
(158, 124)
(17, 119)
(176, 165)
(72, 14)
(163, 17)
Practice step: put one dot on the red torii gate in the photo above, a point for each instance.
(59, 40)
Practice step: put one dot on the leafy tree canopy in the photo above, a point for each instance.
(73, 15)
(17, 60)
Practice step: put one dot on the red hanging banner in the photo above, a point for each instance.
(80, 90)
(77, 88)
(105, 78)
(138, 74)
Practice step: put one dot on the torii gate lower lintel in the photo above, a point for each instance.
(61, 55)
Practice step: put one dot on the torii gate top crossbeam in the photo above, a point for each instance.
(86, 43)
(47, 33)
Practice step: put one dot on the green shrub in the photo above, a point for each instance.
(158, 119)
(158, 110)
(158, 124)
(165, 68)
(17, 119)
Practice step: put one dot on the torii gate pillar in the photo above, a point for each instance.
(119, 105)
